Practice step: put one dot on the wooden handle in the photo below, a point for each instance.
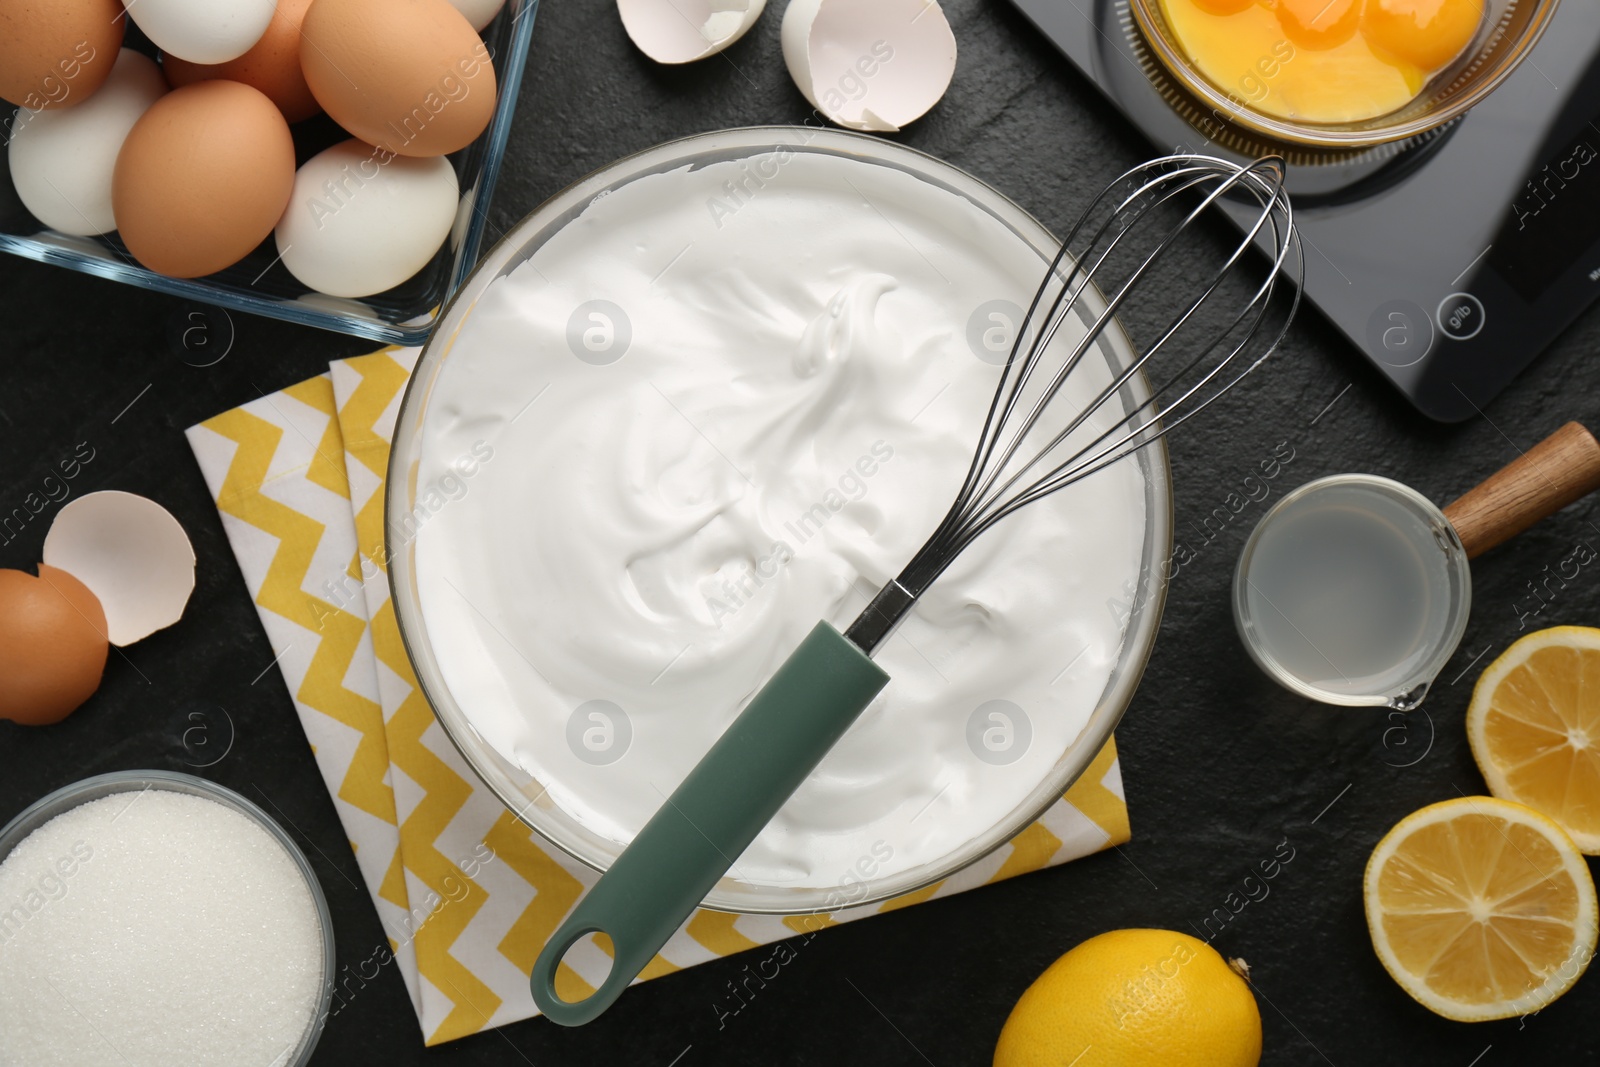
(1552, 474)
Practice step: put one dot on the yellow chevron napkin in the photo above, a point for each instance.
(465, 892)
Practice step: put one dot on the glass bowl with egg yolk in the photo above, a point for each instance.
(1340, 73)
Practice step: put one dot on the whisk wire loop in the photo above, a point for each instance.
(1009, 470)
(1061, 306)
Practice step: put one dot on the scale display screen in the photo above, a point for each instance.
(1556, 220)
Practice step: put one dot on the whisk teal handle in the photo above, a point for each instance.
(700, 831)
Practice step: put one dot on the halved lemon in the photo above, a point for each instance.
(1534, 725)
(1480, 908)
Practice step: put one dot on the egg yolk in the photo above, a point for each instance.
(1322, 61)
(1319, 24)
(1429, 33)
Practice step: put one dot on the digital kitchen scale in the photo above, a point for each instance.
(1451, 260)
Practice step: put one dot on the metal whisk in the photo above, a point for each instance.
(997, 482)
(1021, 457)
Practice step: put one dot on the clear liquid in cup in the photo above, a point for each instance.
(1354, 587)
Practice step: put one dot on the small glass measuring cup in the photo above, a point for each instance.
(1355, 589)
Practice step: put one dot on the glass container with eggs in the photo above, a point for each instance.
(1340, 73)
(321, 162)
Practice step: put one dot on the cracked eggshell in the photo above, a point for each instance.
(133, 556)
(869, 64)
(682, 31)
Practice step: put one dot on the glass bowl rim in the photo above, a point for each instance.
(95, 787)
(1148, 599)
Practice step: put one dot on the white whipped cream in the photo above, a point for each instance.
(795, 404)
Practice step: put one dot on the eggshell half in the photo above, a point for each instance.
(62, 160)
(869, 64)
(52, 645)
(408, 76)
(132, 554)
(202, 31)
(56, 53)
(361, 221)
(682, 31)
(272, 65)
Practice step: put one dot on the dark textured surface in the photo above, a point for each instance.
(1221, 766)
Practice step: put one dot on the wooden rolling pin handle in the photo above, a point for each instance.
(1552, 474)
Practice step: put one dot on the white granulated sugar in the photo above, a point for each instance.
(155, 928)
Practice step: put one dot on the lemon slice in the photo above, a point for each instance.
(1480, 908)
(1534, 725)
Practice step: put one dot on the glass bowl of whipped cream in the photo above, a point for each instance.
(704, 397)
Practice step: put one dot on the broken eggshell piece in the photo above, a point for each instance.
(869, 64)
(132, 554)
(682, 31)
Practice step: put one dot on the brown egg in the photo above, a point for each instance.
(409, 76)
(52, 645)
(54, 53)
(272, 65)
(202, 178)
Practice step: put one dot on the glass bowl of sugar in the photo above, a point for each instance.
(156, 917)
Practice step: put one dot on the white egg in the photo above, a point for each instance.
(361, 221)
(62, 159)
(202, 31)
(479, 12)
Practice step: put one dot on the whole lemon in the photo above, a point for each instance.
(1132, 998)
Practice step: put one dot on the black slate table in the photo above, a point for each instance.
(1222, 768)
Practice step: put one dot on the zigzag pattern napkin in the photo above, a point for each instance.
(467, 895)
